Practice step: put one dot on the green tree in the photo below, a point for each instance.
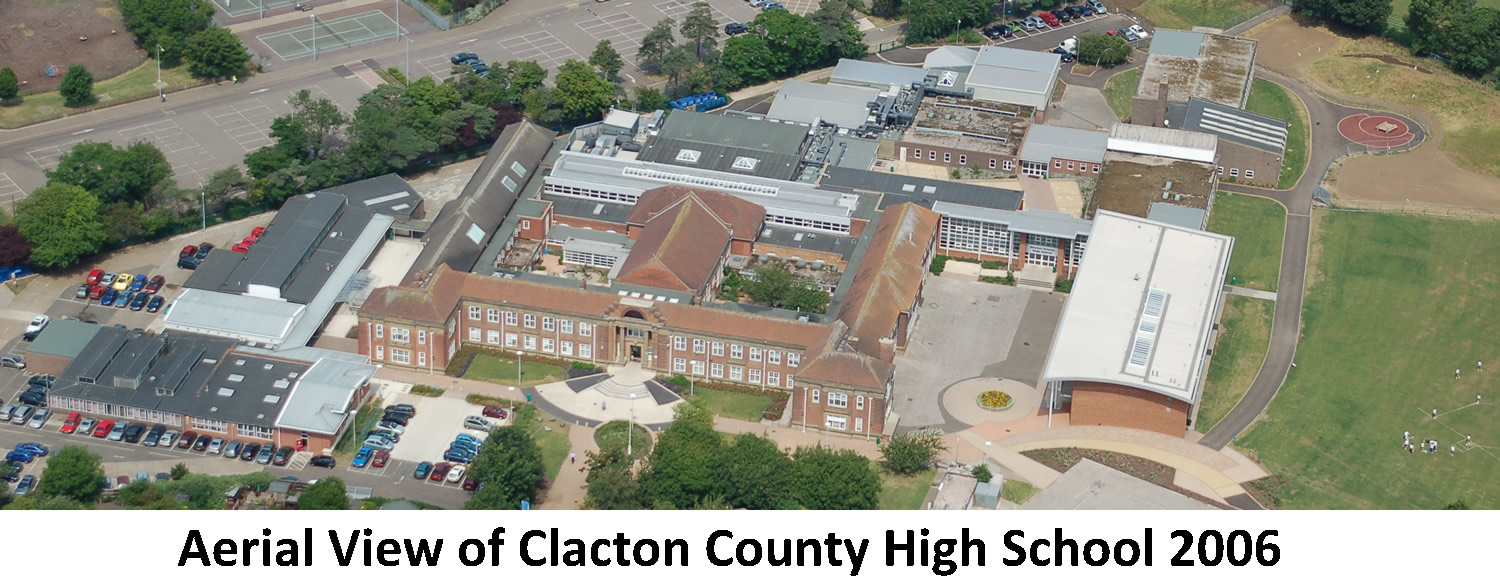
(9, 85)
(204, 492)
(607, 59)
(223, 184)
(73, 472)
(63, 221)
(911, 453)
(112, 173)
(216, 52)
(754, 473)
(178, 471)
(611, 486)
(983, 474)
(1433, 24)
(793, 42)
(837, 31)
(825, 479)
(886, 8)
(327, 494)
(77, 86)
(438, 99)
(44, 502)
(1102, 50)
(582, 92)
(1476, 48)
(543, 105)
(383, 137)
(680, 472)
(699, 28)
(929, 20)
(165, 23)
(509, 469)
(677, 64)
(657, 42)
(776, 286)
(806, 297)
(525, 75)
(749, 58)
(649, 99)
(14, 248)
(1363, 15)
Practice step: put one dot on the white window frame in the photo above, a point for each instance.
(794, 359)
(755, 376)
(836, 422)
(530, 320)
(492, 337)
(947, 157)
(379, 353)
(717, 349)
(754, 354)
(585, 350)
(549, 324)
(512, 339)
(1234, 172)
(837, 399)
(566, 326)
(773, 357)
(565, 348)
(817, 394)
(918, 152)
(735, 351)
(548, 346)
(529, 342)
(679, 343)
(421, 358)
(699, 346)
(963, 160)
(401, 335)
(1008, 165)
(473, 312)
(473, 334)
(859, 424)
(736, 373)
(585, 329)
(380, 330)
(716, 370)
(992, 163)
(698, 368)
(1249, 174)
(492, 315)
(422, 337)
(679, 365)
(401, 356)
(859, 402)
(511, 318)
(773, 378)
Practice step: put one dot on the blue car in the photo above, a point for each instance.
(138, 283)
(124, 298)
(108, 299)
(464, 437)
(362, 458)
(24, 457)
(459, 456)
(423, 469)
(34, 448)
(27, 483)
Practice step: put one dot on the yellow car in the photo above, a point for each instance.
(122, 281)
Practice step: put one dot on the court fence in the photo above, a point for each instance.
(431, 15)
(476, 12)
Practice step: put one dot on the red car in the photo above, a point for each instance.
(470, 485)
(381, 456)
(440, 471)
(71, 423)
(155, 284)
(241, 247)
(187, 252)
(104, 427)
(1048, 18)
(257, 232)
(96, 292)
(94, 277)
(494, 411)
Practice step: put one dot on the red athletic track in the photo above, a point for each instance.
(1360, 129)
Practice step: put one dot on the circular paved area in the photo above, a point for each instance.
(961, 400)
(1376, 131)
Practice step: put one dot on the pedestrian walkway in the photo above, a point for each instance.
(569, 490)
(1252, 293)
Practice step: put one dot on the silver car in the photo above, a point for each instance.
(21, 415)
(216, 446)
(39, 418)
(168, 438)
(118, 433)
(6, 411)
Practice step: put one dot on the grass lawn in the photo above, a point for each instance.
(1395, 304)
(904, 492)
(129, 85)
(1267, 98)
(1119, 90)
(1185, 14)
(734, 405)
(1244, 335)
(554, 444)
(1257, 225)
(613, 435)
(1465, 106)
(1017, 491)
(495, 370)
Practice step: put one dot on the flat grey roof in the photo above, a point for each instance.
(950, 57)
(723, 143)
(1014, 69)
(1090, 485)
(567, 206)
(1044, 142)
(856, 72)
(923, 191)
(1214, 67)
(806, 102)
(1038, 222)
(388, 194)
(1182, 216)
(319, 399)
(243, 318)
(1176, 43)
(793, 238)
(561, 232)
(1236, 125)
(65, 338)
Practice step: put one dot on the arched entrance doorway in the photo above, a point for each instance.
(635, 339)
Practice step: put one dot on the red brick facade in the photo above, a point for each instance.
(1121, 406)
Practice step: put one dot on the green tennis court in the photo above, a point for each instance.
(330, 35)
(237, 8)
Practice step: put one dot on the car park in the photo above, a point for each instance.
(378, 442)
(1050, 18)
(397, 419)
(33, 398)
(154, 305)
(380, 458)
(396, 428)
(96, 292)
(70, 424)
(26, 484)
(86, 427)
(466, 438)
(386, 434)
(735, 28)
(1139, 31)
(250, 452)
(477, 423)
(232, 449)
(6, 411)
(116, 433)
(41, 383)
(108, 279)
(104, 428)
(265, 455)
(457, 455)
(1128, 34)
(1062, 15)
(10, 471)
(458, 59)
(93, 278)
(216, 446)
(403, 409)
(362, 457)
(187, 439)
(322, 461)
(125, 298)
(22, 414)
(163, 476)
(439, 471)
(494, 411)
(282, 456)
(168, 438)
(423, 469)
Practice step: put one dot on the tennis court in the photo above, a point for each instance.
(330, 35)
(238, 8)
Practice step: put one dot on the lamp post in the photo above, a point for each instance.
(513, 405)
(519, 354)
(160, 88)
(630, 430)
(203, 204)
(314, 19)
(958, 38)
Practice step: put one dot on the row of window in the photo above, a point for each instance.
(1081, 166)
(1235, 172)
(737, 373)
(701, 346)
(839, 400)
(549, 323)
(802, 223)
(530, 342)
(963, 159)
(841, 423)
(565, 190)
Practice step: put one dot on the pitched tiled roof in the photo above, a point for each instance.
(435, 302)
(679, 249)
(888, 278)
(834, 364)
(743, 216)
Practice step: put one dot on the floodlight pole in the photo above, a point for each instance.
(203, 202)
(262, 9)
(314, 19)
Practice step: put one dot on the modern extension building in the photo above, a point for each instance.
(1251, 145)
(1139, 326)
(1181, 65)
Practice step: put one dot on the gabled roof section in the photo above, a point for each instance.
(1014, 69)
(833, 363)
(950, 57)
(679, 248)
(744, 218)
(888, 278)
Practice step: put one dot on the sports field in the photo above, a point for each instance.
(1257, 225)
(1395, 304)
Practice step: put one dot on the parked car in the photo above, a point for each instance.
(107, 280)
(378, 442)
(163, 476)
(456, 474)
(125, 298)
(19, 456)
(397, 419)
(1062, 15)
(458, 59)
(1140, 31)
(155, 284)
(322, 461)
(466, 438)
(993, 32)
(104, 428)
(13, 361)
(403, 409)
(187, 252)
(266, 453)
(735, 28)
(470, 484)
(240, 247)
(396, 428)
(133, 432)
(1050, 19)
(122, 481)
(40, 383)
(86, 427)
(232, 449)
(96, 292)
(282, 456)
(440, 471)
(154, 305)
(494, 411)
(154, 435)
(22, 414)
(168, 438)
(33, 398)
(258, 231)
(1098, 7)
(93, 277)
(139, 301)
(70, 424)
(476, 422)
(122, 281)
(201, 443)
(362, 457)
(139, 283)
(27, 483)
(216, 446)
(36, 326)
(386, 434)
(187, 439)
(460, 456)
(423, 469)
(116, 433)
(108, 297)
(380, 458)
(250, 452)
(1129, 34)
(6, 411)
(34, 448)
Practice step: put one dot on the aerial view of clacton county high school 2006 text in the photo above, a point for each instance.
(749, 254)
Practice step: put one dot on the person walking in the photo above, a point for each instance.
(1434, 413)
(1481, 366)
(573, 457)
(1468, 440)
(1456, 373)
(1452, 449)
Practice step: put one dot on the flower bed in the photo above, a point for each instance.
(995, 400)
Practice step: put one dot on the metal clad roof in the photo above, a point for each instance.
(1044, 142)
(1014, 69)
(898, 189)
(1176, 43)
(1237, 125)
(1181, 216)
(856, 72)
(807, 102)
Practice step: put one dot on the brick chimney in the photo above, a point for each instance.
(1159, 119)
(888, 349)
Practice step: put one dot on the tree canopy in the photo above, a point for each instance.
(508, 469)
(166, 23)
(327, 494)
(607, 59)
(14, 248)
(112, 173)
(699, 28)
(216, 52)
(911, 453)
(74, 473)
(77, 86)
(583, 93)
(1101, 49)
(10, 86)
(656, 43)
(1362, 15)
(934, 19)
(774, 285)
(63, 222)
